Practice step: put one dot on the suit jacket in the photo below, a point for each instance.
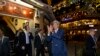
(5, 47)
(58, 47)
(90, 50)
(38, 43)
(90, 43)
(22, 39)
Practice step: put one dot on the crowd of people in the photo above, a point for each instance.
(52, 42)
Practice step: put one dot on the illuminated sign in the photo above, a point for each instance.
(17, 10)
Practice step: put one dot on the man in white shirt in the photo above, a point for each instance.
(25, 38)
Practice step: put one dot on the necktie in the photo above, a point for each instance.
(95, 39)
(42, 39)
(27, 37)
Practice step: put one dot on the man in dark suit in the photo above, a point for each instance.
(25, 38)
(91, 43)
(39, 43)
(4, 44)
(16, 42)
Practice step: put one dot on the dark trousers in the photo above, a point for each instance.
(49, 51)
(17, 51)
(40, 51)
(28, 49)
(90, 53)
(22, 53)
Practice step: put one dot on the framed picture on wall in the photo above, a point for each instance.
(37, 25)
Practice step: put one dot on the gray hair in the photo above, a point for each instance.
(92, 29)
(55, 21)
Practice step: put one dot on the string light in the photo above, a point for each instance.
(24, 12)
(10, 8)
(15, 7)
(30, 12)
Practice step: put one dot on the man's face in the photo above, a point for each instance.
(55, 26)
(26, 28)
(92, 32)
(41, 32)
(20, 30)
(1, 33)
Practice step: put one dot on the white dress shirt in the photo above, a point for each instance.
(2, 38)
(41, 37)
(56, 31)
(27, 36)
(94, 38)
